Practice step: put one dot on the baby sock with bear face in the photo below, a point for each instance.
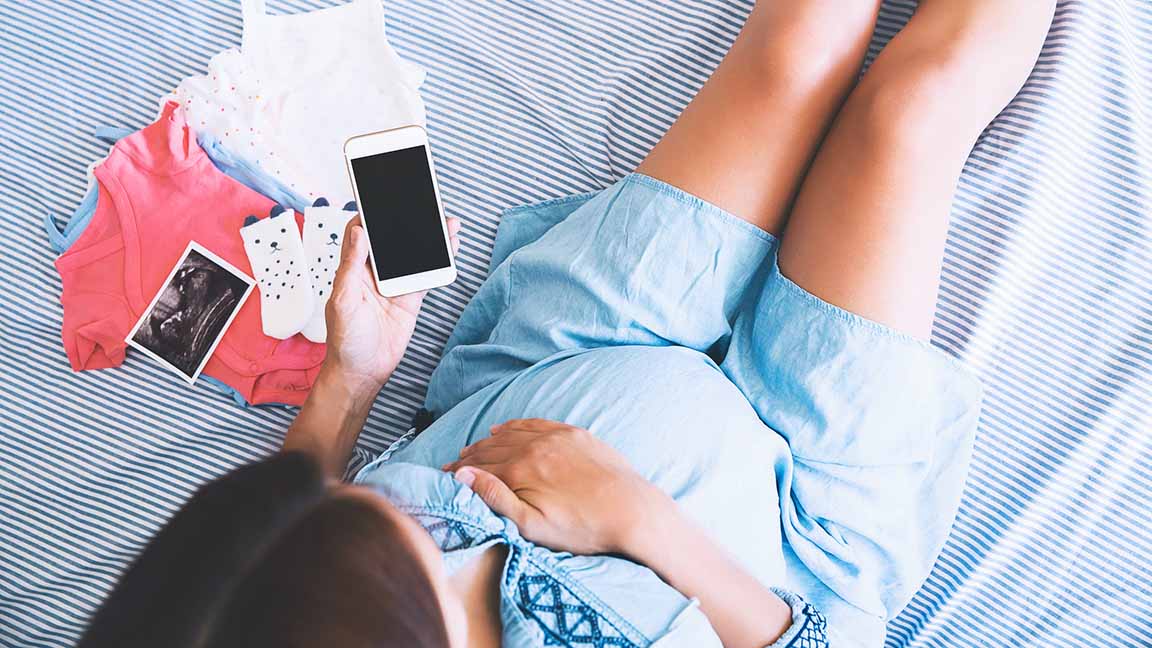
(323, 239)
(277, 256)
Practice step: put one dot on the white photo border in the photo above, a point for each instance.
(214, 258)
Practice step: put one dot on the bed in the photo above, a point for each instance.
(1047, 287)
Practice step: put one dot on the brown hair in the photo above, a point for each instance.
(268, 556)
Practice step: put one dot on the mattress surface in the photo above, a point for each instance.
(1046, 288)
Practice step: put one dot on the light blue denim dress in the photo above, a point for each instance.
(826, 452)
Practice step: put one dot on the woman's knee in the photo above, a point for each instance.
(934, 98)
(804, 45)
(945, 77)
(913, 110)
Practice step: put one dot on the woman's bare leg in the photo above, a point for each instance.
(868, 228)
(746, 139)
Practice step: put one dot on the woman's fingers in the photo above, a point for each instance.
(353, 259)
(487, 456)
(517, 438)
(454, 226)
(527, 425)
(509, 442)
(356, 248)
(494, 492)
(485, 446)
(355, 252)
(353, 255)
(496, 469)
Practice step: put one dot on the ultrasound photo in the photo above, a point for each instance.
(190, 314)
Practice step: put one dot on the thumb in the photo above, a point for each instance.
(352, 261)
(355, 252)
(493, 491)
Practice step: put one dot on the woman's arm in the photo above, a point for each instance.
(568, 490)
(742, 611)
(330, 420)
(367, 336)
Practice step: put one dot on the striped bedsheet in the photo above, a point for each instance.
(1046, 287)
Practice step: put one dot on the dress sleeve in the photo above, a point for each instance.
(95, 325)
(97, 316)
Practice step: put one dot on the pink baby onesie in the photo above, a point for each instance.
(157, 191)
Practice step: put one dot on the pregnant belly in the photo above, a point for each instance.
(680, 422)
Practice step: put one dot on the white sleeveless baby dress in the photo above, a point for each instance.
(299, 86)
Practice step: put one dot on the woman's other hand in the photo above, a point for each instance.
(368, 333)
(563, 487)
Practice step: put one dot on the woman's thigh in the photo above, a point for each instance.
(868, 228)
(744, 142)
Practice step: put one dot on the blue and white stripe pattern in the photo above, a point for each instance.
(1046, 287)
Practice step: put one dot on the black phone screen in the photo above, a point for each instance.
(398, 203)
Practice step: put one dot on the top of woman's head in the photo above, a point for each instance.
(269, 555)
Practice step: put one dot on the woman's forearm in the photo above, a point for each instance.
(741, 610)
(331, 419)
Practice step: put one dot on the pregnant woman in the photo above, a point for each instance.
(695, 408)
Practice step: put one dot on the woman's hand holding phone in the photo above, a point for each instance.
(367, 336)
(368, 333)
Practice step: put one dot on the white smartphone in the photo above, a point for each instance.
(399, 200)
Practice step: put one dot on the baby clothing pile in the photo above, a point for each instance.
(299, 87)
(246, 160)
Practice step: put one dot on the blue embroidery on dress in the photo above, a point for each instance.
(814, 634)
(565, 619)
(449, 535)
